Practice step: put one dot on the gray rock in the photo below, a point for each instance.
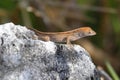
(24, 57)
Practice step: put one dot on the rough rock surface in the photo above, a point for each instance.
(24, 57)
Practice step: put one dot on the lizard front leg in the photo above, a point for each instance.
(68, 40)
(69, 43)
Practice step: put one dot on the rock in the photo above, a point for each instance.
(24, 57)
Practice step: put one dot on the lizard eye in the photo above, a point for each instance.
(89, 32)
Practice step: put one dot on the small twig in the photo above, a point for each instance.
(103, 74)
(83, 7)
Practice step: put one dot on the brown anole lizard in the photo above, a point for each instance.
(66, 36)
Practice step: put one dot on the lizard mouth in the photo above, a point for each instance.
(92, 33)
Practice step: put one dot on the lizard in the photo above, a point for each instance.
(66, 36)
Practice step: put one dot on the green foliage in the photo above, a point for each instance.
(8, 4)
(116, 23)
(112, 71)
(113, 3)
(84, 1)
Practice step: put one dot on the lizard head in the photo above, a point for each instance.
(87, 31)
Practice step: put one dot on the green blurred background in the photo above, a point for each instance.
(103, 16)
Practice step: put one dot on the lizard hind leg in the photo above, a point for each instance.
(46, 38)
